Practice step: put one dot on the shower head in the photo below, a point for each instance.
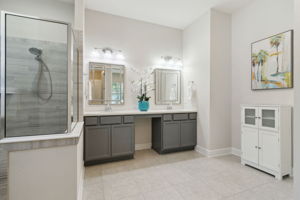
(35, 51)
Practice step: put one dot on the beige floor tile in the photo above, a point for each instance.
(93, 192)
(270, 191)
(223, 185)
(93, 171)
(152, 184)
(96, 180)
(135, 197)
(121, 192)
(197, 190)
(163, 194)
(118, 179)
(184, 175)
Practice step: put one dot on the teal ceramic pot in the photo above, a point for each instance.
(143, 105)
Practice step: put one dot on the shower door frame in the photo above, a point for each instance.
(3, 69)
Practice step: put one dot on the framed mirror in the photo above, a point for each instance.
(105, 84)
(167, 86)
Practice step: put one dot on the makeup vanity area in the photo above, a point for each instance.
(110, 134)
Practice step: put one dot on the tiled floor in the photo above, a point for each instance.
(184, 175)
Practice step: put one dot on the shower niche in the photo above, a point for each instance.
(36, 76)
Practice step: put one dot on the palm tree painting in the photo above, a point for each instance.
(271, 62)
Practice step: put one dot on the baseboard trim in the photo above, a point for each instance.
(143, 146)
(218, 152)
(236, 152)
(213, 153)
(201, 150)
(81, 183)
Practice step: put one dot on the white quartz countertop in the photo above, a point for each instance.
(137, 112)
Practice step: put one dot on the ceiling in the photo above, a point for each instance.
(172, 13)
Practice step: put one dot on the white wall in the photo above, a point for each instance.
(143, 133)
(206, 53)
(297, 99)
(142, 44)
(220, 106)
(196, 56)
(50, 173)
(260, 19)
(50, 9)
(35, 29)
(21, 27)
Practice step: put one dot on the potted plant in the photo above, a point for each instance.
(142, 85)
(143, 102)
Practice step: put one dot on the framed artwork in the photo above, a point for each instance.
(272, 62)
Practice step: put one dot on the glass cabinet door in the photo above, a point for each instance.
(249, 116)
(269, 118)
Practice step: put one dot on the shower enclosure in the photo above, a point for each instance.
(36, 76)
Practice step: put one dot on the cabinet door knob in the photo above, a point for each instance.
(259, 147)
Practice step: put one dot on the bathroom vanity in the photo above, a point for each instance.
(110, 136)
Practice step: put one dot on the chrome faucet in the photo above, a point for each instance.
(170, 105)
(108, 106)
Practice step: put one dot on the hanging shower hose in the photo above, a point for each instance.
(42, 66)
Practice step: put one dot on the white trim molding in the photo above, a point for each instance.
(213, 153)
(143, 146)
(236, 152)
(218, 152)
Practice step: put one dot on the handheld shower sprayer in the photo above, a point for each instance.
(38, 53)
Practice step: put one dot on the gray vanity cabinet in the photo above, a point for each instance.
(112, 138)
(188, 130)
(97, 142)
(171, 135)
(174, 132)
(122, 139)
(108, 138)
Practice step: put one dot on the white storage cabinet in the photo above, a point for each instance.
(267, 138)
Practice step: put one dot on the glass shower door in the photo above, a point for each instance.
(34, 76)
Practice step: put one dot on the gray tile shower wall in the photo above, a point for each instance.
(26, 113)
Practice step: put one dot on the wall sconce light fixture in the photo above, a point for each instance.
(108, 53)
(171, 62)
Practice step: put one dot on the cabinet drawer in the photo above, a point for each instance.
(167, 117)
(180, 116)
(111, 120)
(91, 121)
(128, 119)
(192, 116)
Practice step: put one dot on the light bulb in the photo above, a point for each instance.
(107, 54)
(179, 63)
(120, 56)
(95, 53)
(162, 61)
(171, 62)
